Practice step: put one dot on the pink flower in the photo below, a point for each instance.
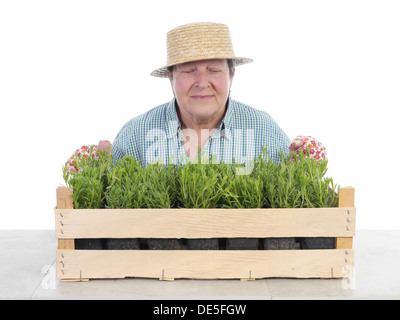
(104, 145)
(301, 143)
(87, 151)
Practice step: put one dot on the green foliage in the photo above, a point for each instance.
(297, 182)
(90, 183)
(245, 191)
(160, 186)
(126, 187)
(294, 182)
(201, 185)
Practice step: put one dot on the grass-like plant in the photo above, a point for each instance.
(294, 182)
(243, 190)
(160, 185)
(126, 188)
(90, 182)
(201, 185)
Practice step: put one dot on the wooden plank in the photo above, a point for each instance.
(67, 244)
(64, 201)
(64, 198)
(344, 243)
(346, 199)
(204, 223)
(167, 265)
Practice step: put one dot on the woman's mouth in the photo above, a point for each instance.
(201, 97)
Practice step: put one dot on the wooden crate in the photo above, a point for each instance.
(79, 265)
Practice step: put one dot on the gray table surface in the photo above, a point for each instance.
(28, 271)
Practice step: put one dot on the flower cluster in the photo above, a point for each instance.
(86, 152)
(310, 147)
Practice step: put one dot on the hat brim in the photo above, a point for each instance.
(163, 72)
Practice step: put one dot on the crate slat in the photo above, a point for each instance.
(204, 223)
(169, 265)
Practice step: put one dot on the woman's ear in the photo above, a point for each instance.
(232, 74)
(171, 81)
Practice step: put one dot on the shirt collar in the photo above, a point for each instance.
(226, 123)
(174, 126)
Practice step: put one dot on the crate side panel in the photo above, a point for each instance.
(208, 223)
(94, 264)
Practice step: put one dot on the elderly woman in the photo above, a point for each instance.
(202, 117)
(201, 120)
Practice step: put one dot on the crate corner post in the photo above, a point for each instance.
(64, 201)
(346, 199)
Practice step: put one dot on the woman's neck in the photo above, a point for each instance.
(196, 132)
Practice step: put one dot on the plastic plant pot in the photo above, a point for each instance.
(164, 244)
(318, 243)
(89, 244)
(242, 244)
(122, 244)
(279, 243)
(202, 244)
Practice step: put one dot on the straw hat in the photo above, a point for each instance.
(198, 41)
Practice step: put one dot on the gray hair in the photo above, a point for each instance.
(231, 66)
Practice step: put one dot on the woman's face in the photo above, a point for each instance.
(202, 88)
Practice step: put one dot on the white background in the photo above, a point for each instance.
(74, 72)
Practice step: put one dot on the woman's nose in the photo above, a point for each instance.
(201, 79)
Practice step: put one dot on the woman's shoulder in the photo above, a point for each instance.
(150, 119)
(248, 114)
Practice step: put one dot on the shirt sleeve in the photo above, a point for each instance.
(281, 144)
(125, 143)
(117, 152)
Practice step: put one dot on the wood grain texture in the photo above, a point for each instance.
(204, 223)
(346, 199)
(64, 198)
(168, 265)
(64, 201)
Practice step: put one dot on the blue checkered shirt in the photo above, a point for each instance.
(156, 136)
